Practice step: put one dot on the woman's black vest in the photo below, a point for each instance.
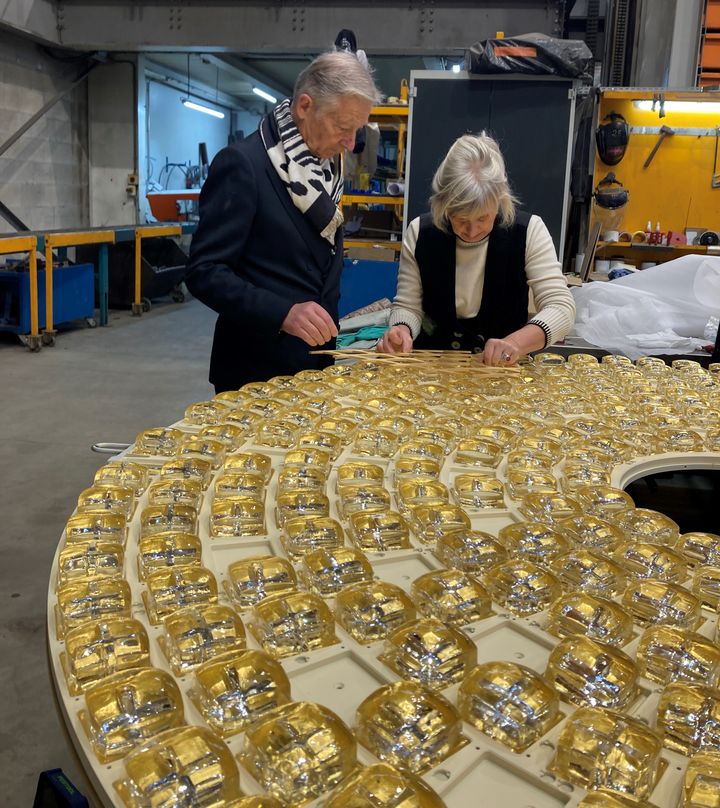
(504, 304)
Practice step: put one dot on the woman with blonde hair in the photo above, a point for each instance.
(467, 267)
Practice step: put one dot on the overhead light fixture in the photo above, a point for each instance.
(680, 106)
(455, 68)
(200, 108)
(266, 96)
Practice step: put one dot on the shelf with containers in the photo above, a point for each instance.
(367, 201)
(709, 62)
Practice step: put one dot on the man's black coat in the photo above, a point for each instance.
(253, 256)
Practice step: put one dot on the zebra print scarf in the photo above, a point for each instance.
(314, 185)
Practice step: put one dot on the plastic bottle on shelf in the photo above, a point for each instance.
(648, 232)
(658, 234)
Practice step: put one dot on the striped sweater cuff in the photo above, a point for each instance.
(398, 316)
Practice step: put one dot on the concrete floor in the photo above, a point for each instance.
(106, 384)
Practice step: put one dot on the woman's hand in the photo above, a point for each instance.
(397, 339)
(500, 352)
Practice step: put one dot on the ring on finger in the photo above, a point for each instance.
(505, 356)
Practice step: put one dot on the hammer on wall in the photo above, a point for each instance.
(665, 131)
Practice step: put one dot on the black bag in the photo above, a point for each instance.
(537, 54)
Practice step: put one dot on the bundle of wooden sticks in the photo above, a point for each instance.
(448, 359)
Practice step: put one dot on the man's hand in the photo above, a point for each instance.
(310, 322)
(500, 352)
(396, 339)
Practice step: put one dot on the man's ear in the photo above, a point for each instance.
(303, 105)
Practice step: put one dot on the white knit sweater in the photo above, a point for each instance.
(552, 299)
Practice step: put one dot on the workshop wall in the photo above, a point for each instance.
(44, 175)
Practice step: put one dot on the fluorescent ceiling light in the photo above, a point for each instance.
(266, 96)
(456, 68)
(680, 106)
(200, 108)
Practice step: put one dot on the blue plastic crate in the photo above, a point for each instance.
(73, 297)
(364, 282)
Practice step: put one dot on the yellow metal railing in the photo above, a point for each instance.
(140, 234)
(28, 244)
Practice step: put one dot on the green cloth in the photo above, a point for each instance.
(347, 338)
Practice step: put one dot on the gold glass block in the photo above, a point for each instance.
(478, 491)
(298, 419)
(549, 508)
(421, 450)
(414, 493)
(171, 589)
(668, 654)
(433, 433)
(309, 456)
(237, 517)
(250, 462)
(529, 459)
(409, 726)
(233, 398)
(642, 524)
(198, 633)
(359, 473)
(674, 439)
(300, 749)
(243, 420)
(478, 452)
(238, 688)
(252, 579)
(575, 473)
(452, 596)
(600, 799)
(379, 531)
(430, 522)
(362, 498)
(470, 550)
(270, 410)
(175, 492)
(302, 478)
(603, 501)
(508, 702)
(240, 485)
(320, 440)
(276, 433)
(604, 749)
(591, 532)
(124, 475)
(158, 442)
(587, 672)
(706, 585)
(100, 648)
(232, 437)
(404, 427)
(328, 571)
(429, 651)
(343, 428)
(379, 404)
(375, 442)
(213, 451)
(308, 533)
(89, 559)
(207, 412)
(189, 763)
(539, 443)
(292, 624)
(370, 611)
(661, 602)
(688, 717)
(83, 600)
(642, 559)
(109, 527)
(586, 571)
(356, 414)
(125, 709)
(536, 541)
(701, 782)
(107, 499)
(168, 549)
(521, 586)
(581, 453)
(161, 518)
(712, 440)
(191, 468)
(383, 786)
(596, 617)
(700, 548)
(296, 504)
(416, 468)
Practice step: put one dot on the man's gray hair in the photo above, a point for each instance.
(333, 75)
(470, 180)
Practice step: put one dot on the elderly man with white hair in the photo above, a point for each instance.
(267, 254)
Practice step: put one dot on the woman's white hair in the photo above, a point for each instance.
(470, 180)
(333, 75)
